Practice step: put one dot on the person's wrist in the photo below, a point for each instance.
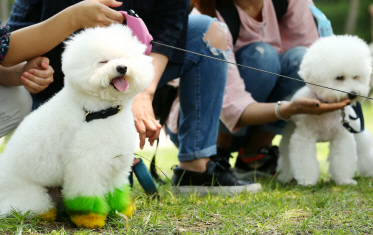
(283, 110)
(146, 94)
(72, 18)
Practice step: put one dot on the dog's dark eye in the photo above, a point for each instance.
(356, 77)
(340, 78)
(103, 61)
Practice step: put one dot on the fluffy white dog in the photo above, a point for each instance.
(343, 63)
(84, 138)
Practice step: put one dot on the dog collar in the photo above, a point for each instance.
(359, 115)
(102, 114)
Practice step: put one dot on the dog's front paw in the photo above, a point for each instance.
(306, 182)
(90, 220)
(346, 182)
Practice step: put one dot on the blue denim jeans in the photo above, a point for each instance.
(201, 91)
(265, 87)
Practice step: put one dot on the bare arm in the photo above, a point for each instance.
(262, 113)
(35, 40)
(145, 122)
(10, 76)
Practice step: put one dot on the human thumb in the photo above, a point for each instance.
(42, 62)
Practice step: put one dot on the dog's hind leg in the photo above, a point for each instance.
(342, 158)
(119, 196)
(364, 148)
(22, 197)
(302, 156)
(283, 166)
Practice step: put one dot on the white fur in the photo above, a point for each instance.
(325, 60)
(55, 146)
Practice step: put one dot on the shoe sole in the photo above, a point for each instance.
(250, 175)
(204, 190)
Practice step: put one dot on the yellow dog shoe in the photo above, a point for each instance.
(90, 220)
(49, 215)
(130, 210)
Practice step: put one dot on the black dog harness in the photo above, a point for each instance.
(102, 114)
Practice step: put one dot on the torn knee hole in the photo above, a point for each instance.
(215, 35)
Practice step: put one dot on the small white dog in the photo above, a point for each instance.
(83, 139)
(343, 63)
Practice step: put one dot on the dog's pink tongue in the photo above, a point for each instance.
(120, 84)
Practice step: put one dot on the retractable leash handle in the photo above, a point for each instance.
(139, 29)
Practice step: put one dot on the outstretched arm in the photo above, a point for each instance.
(35, 40)
(262, 113)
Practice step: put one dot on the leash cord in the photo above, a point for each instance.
(260, 70)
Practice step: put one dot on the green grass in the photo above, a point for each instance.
(279, 208)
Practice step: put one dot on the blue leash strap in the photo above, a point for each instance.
(324, 27)
(145, 179)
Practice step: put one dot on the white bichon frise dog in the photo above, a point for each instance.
(83, 139)
(343, 63)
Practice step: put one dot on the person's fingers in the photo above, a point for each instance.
(31, 86)
(37, 79)
(43, 74)
(45, 63)
(157, 124)
(346, 102)
(114, 15)
(142, 137)
(154, 137)
(140, 127)
(327, 107)
(40, 62)
(151, 126)
(111, 3)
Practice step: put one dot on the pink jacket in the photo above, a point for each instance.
(296, 28)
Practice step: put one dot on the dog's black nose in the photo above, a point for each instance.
(352, 95)
(122, 69)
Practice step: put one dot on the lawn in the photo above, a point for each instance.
(278, 209)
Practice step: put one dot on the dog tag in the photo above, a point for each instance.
(139, 29)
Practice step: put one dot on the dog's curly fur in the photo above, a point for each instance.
(340, 62)
(54, 146)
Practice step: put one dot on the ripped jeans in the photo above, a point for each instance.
(201, 91)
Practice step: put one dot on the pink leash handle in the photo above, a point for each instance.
(139, 29)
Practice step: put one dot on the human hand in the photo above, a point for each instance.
(37, 75)
(93, 13)
(146, 124)
(304, 105)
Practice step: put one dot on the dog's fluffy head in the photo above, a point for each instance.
(107, 62)
(341, 62)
